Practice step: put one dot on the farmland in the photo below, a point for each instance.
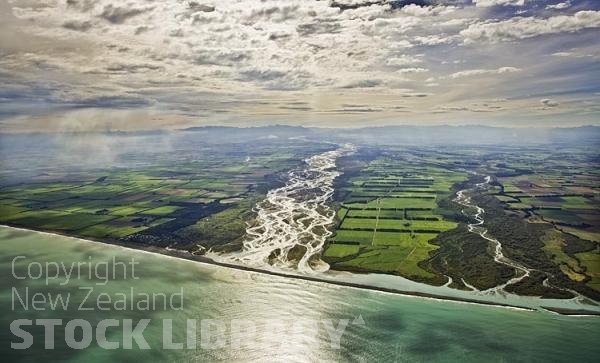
(559, 192)
(388, 211)
(564, 192)
(395, 208)
(192, 197)
(396, 215)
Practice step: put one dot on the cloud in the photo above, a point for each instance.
(197, 59)
(478, 107)
(319, 27)
(275, 13)
(272, 79)
(488, 3)
(132, 68)
(412, 70)
(435, 39)
(477, 72)
(415, 95)
(559, 6)
(420, 8)
(344, 5)
(403, 61)
(261, 74)
(118, 15)
(81, 26)
(548, 103)
(276, 35)
(221, 57)
(81, 5)
(521, 28)
(194, 6)
(357, 110)
(562, 54)
(363, 83)
(296, 108)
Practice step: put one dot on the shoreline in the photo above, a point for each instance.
(571, 312)
(201, 259)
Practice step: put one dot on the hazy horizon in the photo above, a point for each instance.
(278, 125)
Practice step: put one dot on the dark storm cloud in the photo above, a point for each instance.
(47, 98)
(118, 15)
(363, 83)
(81, 26)
(275, 14)
(141, 29)
(546, 102)
(296, 108)
(132, 68)
(194, 6)
(321, 26)
(222, 57)
(356, 110)
(344, 5)
(394, 4)
(261, 75)
(418, 95)
(119, 102)
(81, 5)
(279, 35)
(352, 105)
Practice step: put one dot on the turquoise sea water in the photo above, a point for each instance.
(396, 328)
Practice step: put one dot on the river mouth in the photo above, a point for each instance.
(477, 227)
(293, 222)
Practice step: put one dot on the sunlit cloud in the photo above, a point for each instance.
(233, 62)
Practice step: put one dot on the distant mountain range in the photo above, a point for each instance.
(415, 135)
(381, 135)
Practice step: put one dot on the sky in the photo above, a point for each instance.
(81, 65)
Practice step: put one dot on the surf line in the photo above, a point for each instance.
(209, 262)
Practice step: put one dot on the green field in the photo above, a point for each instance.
(401, 260)
(361, 237)
(395, 203)
(591, 262)
(340, 250)
(403, 239)
(559, 215)
(179, 197)
(161, 211)
(554, 244)
(398, 224)
(392, 215)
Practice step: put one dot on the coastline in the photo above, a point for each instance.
(184, 255)
(571, 312)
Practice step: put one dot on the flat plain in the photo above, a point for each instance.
(395, 208)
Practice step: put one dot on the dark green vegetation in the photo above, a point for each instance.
(559, 193)
(547, 210)
(396, 215)
(465, 257)
(193, 195)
